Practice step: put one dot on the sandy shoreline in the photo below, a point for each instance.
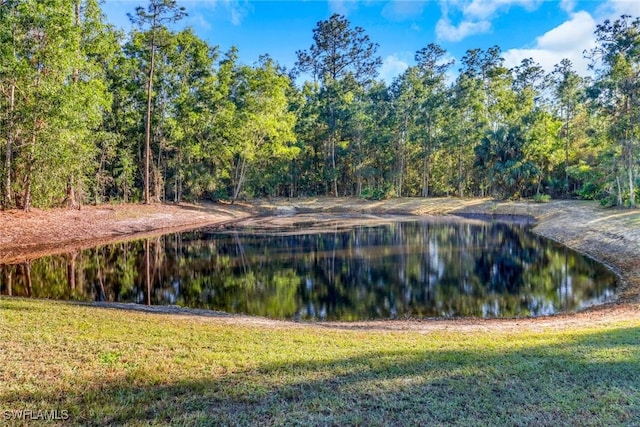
(25, 236)
(610, 236)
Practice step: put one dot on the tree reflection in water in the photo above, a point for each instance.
(404, 269)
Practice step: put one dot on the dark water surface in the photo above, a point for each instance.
(403, 269)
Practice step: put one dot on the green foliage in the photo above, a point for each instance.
(502, 158)
(343, 60)
(88, 114)
(56, 98)
(617, 94)
(386, 192)
(542, 198)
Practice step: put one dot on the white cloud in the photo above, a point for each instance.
(573, 37)
(392, 66)
(445, 30)
(236, 10)
(570, 34)
(568, 40)
(568, 5)
(199, 21)
(236, 16)
(475, 16)
(612, 9)
(486, 9)
(343, 7)
(400, 10)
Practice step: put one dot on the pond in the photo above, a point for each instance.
(403, 269)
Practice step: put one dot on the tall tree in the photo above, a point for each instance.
(432, 67)
(263, 125)
(310, 131)
(88, 99)
(152, 21)
(339, 54)
(56, 97)
(567, 87)
(539, 127)
(190, 80)
(8, 82)
(617, 59)
(468, 120)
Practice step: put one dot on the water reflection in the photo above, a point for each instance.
(405, 269)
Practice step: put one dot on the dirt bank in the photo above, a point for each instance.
(25, 236)
(609, 235)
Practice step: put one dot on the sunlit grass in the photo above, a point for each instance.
(118, 367)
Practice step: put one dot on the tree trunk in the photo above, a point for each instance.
(333, 166)
(401, 163)
(101, 296)
(26, 269)
(71, 271)
(99, 188)
(9, 149)
(9, 278)
(359, 166)
(332, 149)
(71, 200)
(147, 136)
(175, 188)
(71, 192)
(147, 269)
(241, 172)
(26, 196)
(620, 201)
(34, 138)
(31, 158)
(566, 155)
(158, 181)
(292, 186)
(460, 193)
(632, 190)
(425, 177)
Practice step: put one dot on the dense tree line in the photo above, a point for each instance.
(90, 115)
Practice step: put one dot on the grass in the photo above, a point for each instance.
(110, 367)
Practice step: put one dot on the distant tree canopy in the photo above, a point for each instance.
(89, 114)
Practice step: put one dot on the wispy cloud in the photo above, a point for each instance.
(572, 38)
(445, 30)
(393, 66)
(568, 5)
(199, 21)
(461, 19)
(487, 9)
(400, 10)
(568, 40)
(236, 10)
(612, 9)
(343, 7)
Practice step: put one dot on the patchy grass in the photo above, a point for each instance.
(110, 367)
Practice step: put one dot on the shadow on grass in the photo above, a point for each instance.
(591, 380)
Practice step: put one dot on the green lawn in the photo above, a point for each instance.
(117, 367)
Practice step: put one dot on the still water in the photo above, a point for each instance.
(412, 269)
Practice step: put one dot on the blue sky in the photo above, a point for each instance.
(547, 31)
